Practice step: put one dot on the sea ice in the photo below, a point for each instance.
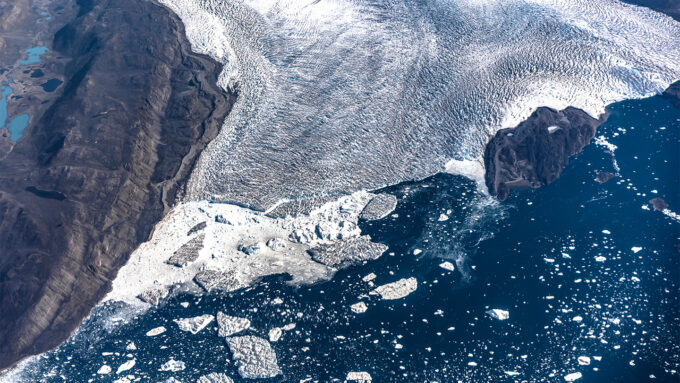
(172, 366)
(156, 331)
(254, 357)
(229, 325)
(498, 314)
(126, 366)
(358, 377)
(396, 290)
(446, 265)
(103, 370)
(215, 377)
(195, 324)
(359, 308)
(573, 376)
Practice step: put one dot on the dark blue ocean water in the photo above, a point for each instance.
(572, 249)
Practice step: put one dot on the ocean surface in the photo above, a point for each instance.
(588, 272)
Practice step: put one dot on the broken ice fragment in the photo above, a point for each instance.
(396, 290)
(172, 366)
(572, 377)
(230, 325)
(195, 324)
(447, 266)
(359, 308)
(358, 377)
(498, 314)
(254, 357)
(155, 331)
(126, 366)
(215, 377)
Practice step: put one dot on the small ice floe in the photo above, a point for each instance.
(396, 290)
(173, 366)
(184, 304)
(254, 357)
(126, 366)
(368, 277)
(635, 249)
(215, 377)
(195, 324)
(498, 314)
(577, 319)
(573, 376)
(359, 308)
(379, 207)
(155, 331)
(275, 334)
(103, 370)
(553, 129)
(511, 373)
(443, 217)
(131, 346)
(446, 265)
(584, 360)
(600, 258)
(606, 232)
(358, 377)
(229, 325)
(417, 251)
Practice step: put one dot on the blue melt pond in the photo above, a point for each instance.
(17, 126)
(33, 55)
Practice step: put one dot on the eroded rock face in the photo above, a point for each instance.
(535, 152)
(116, 146)
(254, 357)
(347, 252)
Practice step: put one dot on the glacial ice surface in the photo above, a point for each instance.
(341, 95)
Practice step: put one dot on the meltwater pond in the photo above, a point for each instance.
(588, 273)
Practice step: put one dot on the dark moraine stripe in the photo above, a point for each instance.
(136, 110)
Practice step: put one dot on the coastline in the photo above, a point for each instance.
(117, 146)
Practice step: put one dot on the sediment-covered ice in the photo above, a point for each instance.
(254, 357)
(339, 95)
(251, 246)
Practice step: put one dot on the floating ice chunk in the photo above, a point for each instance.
(396, 290)
(195, 324)
(379, 207)
(254, 357)
(155, 331)
(577, 318)
(572, 377)
(359, 307)
(583, 360)
(600, 258)
(606, 232)
(358, 377)
(126, 366)
(498, 314)
(417, 251)
(275, 334)
(553, 129)
(215, 377)
(443, 217)
(369, 277)
(173, 366)
(103, 370)
(635, 249)
(131, 346)
(229, 325)
(447, 266)
(511, 373)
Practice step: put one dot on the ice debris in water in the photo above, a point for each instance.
(172, 366)
(379, 207)
(396, 290)
(446, 265)
(583, 360)
(347, 251)
(254, 357)
(215, 377)
(195, 324)
(229, 325)
(573, 376)
(359, 308)
(358, 377)
(126, 366)
(103, 370)
(155, 331)
(498, 314)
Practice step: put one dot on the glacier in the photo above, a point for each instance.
(343, 95)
